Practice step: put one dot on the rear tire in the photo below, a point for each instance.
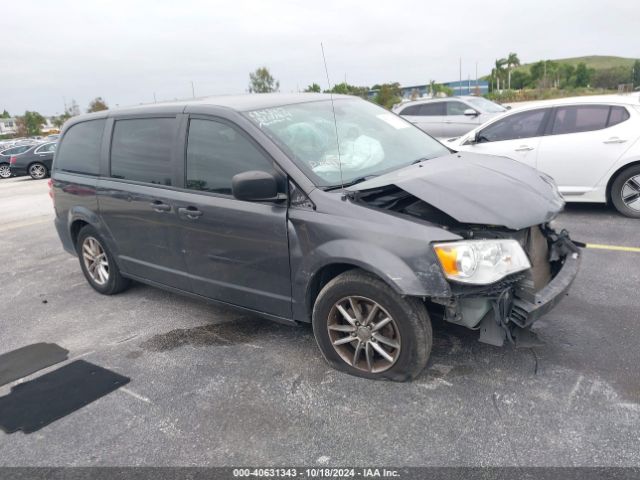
(379, 334)
(5, 170)
(38, 171)
(97, 263)
(625, 192)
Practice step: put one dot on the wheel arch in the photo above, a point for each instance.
(615, 174)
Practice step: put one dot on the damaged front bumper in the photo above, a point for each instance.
(506, 310)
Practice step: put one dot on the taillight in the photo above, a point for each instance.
(50, 183)
(13, 160)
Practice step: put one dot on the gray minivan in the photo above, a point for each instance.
(306, 208)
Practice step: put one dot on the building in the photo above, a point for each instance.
(7, 126)
(466, 87)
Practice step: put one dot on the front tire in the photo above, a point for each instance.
(5, 170)
(625, 192)
(366, 329)
(97, 263)
(38, 171)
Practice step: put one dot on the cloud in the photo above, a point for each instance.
(125, 51)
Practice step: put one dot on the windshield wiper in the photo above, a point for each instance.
(420, 160)
(352, 182)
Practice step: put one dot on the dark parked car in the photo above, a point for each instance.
(7, 154)
(35, 162)
(301, 209)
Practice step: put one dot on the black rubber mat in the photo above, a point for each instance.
(35, 404)
(27, 360)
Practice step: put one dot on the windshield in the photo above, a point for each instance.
(372, 140)
(486, 105)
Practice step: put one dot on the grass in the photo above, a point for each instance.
(597, 62)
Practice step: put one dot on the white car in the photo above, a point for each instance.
(589, 145)
(449, 116)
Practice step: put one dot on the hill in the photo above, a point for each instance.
(597, 62)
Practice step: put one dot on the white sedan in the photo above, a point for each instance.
(589, 145)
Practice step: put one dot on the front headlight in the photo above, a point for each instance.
(481, 261)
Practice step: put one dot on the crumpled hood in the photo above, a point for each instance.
(477, 188)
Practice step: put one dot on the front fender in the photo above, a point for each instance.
(407, 265)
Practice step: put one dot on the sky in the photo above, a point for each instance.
(129, 51)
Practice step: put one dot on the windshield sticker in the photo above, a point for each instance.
(392, 120)
(269, 116)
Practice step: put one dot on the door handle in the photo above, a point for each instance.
(159, 206)
(524, 148)
(615, 140)
(190, 212)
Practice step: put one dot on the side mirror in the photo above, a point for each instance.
(470, 112)
(255, 185)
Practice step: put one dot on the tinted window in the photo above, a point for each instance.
(617, 115)
(17, 150)
(141, 150)
(580, 118)
(456, 108)
(411, 110)
(519, 125)
(47, 148)
(216, 152)
(432, 109)
(80, 148)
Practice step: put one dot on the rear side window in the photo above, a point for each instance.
(79, 151)
(617, 115)
(519, 125)
(580, 118)
(216, 152)
(46, 148)
(141, 150)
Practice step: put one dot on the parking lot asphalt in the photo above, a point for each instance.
(211, 387)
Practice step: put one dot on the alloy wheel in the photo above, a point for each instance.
(95, 260)
(630, 193)
(5, 171)
(37, 171)
(364, 334)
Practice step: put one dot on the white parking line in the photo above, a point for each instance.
(25, 223)
(618, 248)
(135, 395)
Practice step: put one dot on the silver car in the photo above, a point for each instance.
(449, 117)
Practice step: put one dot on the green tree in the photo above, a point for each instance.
(97, 105)
(566, 71)
(29, 124)
(5, 114)
(512, 61)
(583, 75)
(520, 79)
(636, 73)
(314, 87)
(261, 81)
(611, 77)
(59, 120)
(346, 89)
(498, 72)
(436, 88)
(388, 94)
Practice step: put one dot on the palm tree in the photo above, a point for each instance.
(512, 61)
(499, 69)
